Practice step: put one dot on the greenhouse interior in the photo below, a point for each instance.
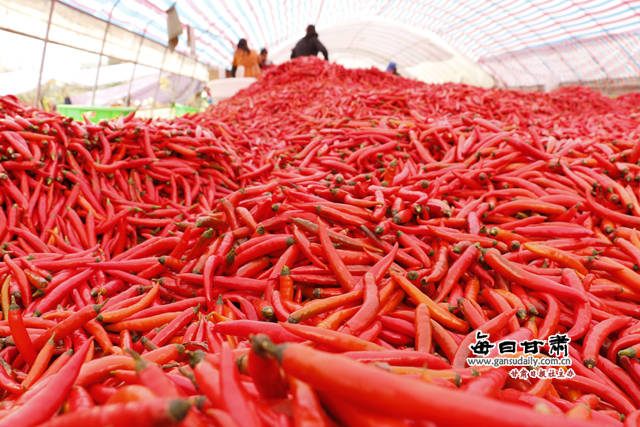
(290, 213)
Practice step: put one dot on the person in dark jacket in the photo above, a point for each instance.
(309, 45)
(264, 59)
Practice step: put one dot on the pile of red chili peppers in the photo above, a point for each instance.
(321, 250)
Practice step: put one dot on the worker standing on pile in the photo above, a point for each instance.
(309, 45)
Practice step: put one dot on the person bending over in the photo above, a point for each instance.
(309, 45)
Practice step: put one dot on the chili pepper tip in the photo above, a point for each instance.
(178, 409)
(629, 352)
(263, 346)
(195, 357)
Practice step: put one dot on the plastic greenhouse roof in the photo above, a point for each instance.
(515, 42)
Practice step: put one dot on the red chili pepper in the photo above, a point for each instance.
(335, 263)
(6, 382)
(395, 395)
(528, 280)
(550, 324)
(333, 339)
(39, 364)
(271, 244)
(21, 278)
(437, 312)
(313, 308)
(19, 333)
(232, 394)
(562, 257)
(455, 272)
(79, 399)
(306, 406)
(583, 314)
(43, 405)
(473, 314)
(56, 365)
(609, 394)
(266, 375)
(348, 413)
(303, 243)
(620, 377)
(340, 238)
(369, 307)
(286, 283)
(116, 315)
(596, 335)
(489, 383)
(145, 413)
(173, 326)
(69, 325)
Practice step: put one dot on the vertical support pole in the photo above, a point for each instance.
(36, 101)
(135, 64)
(104, 40)
(191, 80)
(179, 82)
(155, 95)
